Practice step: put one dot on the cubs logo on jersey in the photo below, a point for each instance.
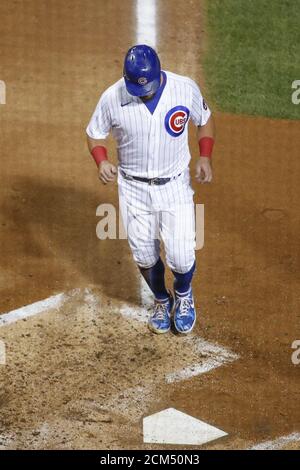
(176, 119)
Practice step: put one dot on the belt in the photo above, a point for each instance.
(151, 181)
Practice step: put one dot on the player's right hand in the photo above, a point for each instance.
(107, 172)
(203, 170)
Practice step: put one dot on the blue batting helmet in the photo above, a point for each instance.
(141, 70)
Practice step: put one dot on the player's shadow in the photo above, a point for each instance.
(51, 244)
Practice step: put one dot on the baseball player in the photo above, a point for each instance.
(148, 111)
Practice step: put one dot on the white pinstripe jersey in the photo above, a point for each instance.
(150, 145)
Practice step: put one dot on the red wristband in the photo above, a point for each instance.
(99, 154)
(206, 146)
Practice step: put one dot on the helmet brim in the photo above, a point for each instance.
(142, 90)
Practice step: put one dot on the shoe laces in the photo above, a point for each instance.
(184, 306)
(161, 309)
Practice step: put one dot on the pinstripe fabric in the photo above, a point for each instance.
(154, 213)
(145, 148)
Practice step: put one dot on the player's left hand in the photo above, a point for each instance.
(203, 170)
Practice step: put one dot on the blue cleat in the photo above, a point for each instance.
(185, 313)
(160, 320)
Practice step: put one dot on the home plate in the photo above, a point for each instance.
(174, 427)
(85, 341)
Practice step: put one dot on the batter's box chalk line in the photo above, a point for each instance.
(2, 353)
(212, 355)
(51, 303)
(278, 443)
(216, 356)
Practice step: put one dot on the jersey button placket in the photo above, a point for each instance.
(151, 148)
(155, 189)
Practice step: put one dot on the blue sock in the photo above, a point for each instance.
(182, 282)
(155, 278)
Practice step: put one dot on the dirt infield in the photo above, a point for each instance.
(71, 381)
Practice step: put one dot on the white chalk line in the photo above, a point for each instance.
(217, 356)
(58, 300)
(146, 22)
(2, 353)
(197, 369)
(43, 306)
(278, 443)
(53, 302)
(141, 313)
